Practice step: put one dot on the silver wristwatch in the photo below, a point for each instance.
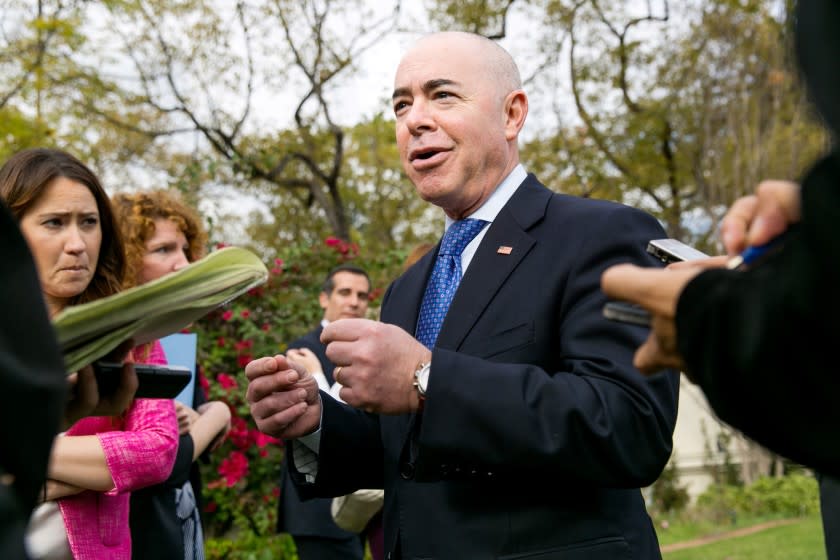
(421, 378)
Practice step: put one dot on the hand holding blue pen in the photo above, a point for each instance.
(752, 255)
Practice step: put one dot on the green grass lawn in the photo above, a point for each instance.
(688, 527)
(799, 541)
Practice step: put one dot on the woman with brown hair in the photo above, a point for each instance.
(65, 217)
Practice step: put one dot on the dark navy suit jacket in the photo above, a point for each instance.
(537, 431)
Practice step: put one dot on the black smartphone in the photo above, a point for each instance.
(671, 250)
(155, 381)
(625, 312)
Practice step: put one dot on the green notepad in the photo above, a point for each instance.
(156, 309)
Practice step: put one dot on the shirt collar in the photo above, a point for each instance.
(493, 205)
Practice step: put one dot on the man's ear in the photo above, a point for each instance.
(323, 300)
(516, 109)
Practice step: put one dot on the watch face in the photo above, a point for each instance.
(422, 377)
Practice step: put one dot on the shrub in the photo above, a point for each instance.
(242, 476)
(789, 496)
(667, 494)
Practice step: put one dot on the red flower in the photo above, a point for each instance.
(211, 507)
(204, 383)
(245, 313)
(374, 294)
(239, 435)
(256, 292)
(220, 342)
(278, 262)
(221, 245)
(234, 468)
(266, 327)
(226, 381)
(264, 453)
(262, 439)
(244, 345)
(332, 241)
(275, 492)
(243, 360)
(227, 315)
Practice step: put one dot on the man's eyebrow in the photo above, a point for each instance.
(428, 86)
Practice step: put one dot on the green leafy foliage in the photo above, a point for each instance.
(242, 477)
(667, 493)
(789, 496)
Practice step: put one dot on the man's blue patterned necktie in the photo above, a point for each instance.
(445, 279)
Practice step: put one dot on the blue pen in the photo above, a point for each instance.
(753, 254)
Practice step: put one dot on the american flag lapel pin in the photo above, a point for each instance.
(504, 250)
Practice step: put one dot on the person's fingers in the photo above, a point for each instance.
(344, 329)
(264, 385)
(736, 224)
(645, 357)
(778, 207)
(261, 366)
(660, 349)
(270, 420)
(718, 261)
(653, 288)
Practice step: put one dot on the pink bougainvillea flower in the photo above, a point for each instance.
(244, 359)
(239, 435)
(234, 467)
(332, 241)
(262, 439)
(227, 315)
(243, 345)
(227, 381)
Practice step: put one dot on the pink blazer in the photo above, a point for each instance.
(140, 448)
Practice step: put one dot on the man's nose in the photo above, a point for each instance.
(419, 118)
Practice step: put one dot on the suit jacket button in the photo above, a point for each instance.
(407, 471)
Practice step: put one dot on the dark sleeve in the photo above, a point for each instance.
(32, 377)
(350, 454)
(183, 462)
(568, 402)
(761, 343)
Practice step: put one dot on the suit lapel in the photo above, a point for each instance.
(504, 246)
